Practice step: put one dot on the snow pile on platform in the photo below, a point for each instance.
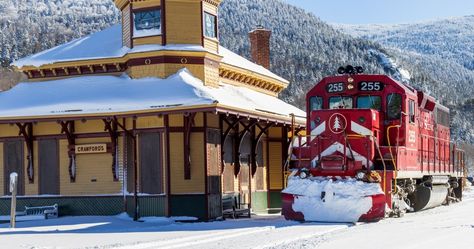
(322, 199)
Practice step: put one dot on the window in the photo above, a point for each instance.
(147, 23)
(411, 110)
(340, 102)
(210, 25)
(369, 102)
(394, 106)
(315, 103)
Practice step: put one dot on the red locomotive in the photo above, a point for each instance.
(374, 147)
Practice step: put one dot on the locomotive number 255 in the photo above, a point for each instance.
(335, 87)
(370, 86)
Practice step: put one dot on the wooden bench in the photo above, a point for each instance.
(232, 207)
(47, 211)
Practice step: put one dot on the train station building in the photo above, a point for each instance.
(151, 116)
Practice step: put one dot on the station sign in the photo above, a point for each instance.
(91, 148)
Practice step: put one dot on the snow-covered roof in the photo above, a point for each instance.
(108, 44)
(121, 94)
(236, 60)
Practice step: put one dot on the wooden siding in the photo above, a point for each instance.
(164, 70)
(147, 40)
(149, 122)
(275, 132)
(176, 120)
(183, 22)
(209, 8)
(46, 128)
(211, 71)
(146, 4)
(178, 184)
(199, 120)
(211, 44)
(7, 130)
(93, 173)
(126, 27)
(90, 126)
(276, 166)
(212, 120)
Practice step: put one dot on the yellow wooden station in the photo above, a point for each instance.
(151, 117)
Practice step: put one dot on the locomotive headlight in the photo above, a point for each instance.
(303, 175)
(350, 80)
(350, 87)
(360, 175)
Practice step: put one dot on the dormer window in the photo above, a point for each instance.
(146, 23)
(210, 25)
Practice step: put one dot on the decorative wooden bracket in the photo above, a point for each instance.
(247, 129)
(230, 126)
(263, 130)
(111, 127)
(26, 130)
(67, 127)
(188, 124)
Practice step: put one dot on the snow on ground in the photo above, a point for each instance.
(442, 227)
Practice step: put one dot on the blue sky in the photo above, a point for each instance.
(385, 11)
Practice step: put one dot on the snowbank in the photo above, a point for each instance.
(322, 199)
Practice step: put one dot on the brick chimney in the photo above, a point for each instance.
(260, 46)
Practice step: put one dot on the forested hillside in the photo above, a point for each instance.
(304, 49)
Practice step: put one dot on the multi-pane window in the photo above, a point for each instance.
(210, 25)
(147, 23)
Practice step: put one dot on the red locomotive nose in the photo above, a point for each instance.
(342, 141)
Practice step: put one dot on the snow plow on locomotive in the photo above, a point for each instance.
(375, 147)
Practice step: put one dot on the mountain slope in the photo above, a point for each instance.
(451, 39)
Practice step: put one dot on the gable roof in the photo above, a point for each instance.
(113, 94)
(108, 44)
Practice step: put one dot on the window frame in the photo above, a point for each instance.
(341, 97)
(411, 111)
(135, 11)
(387, 106)
(204, 26)
(311, 103)
(370, 96)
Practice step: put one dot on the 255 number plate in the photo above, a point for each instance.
(335, 87)
(370, 86)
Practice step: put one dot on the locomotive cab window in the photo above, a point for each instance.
(315, 103)
(411, 110)
(394, 106)
(369, 102)
(340, 102)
